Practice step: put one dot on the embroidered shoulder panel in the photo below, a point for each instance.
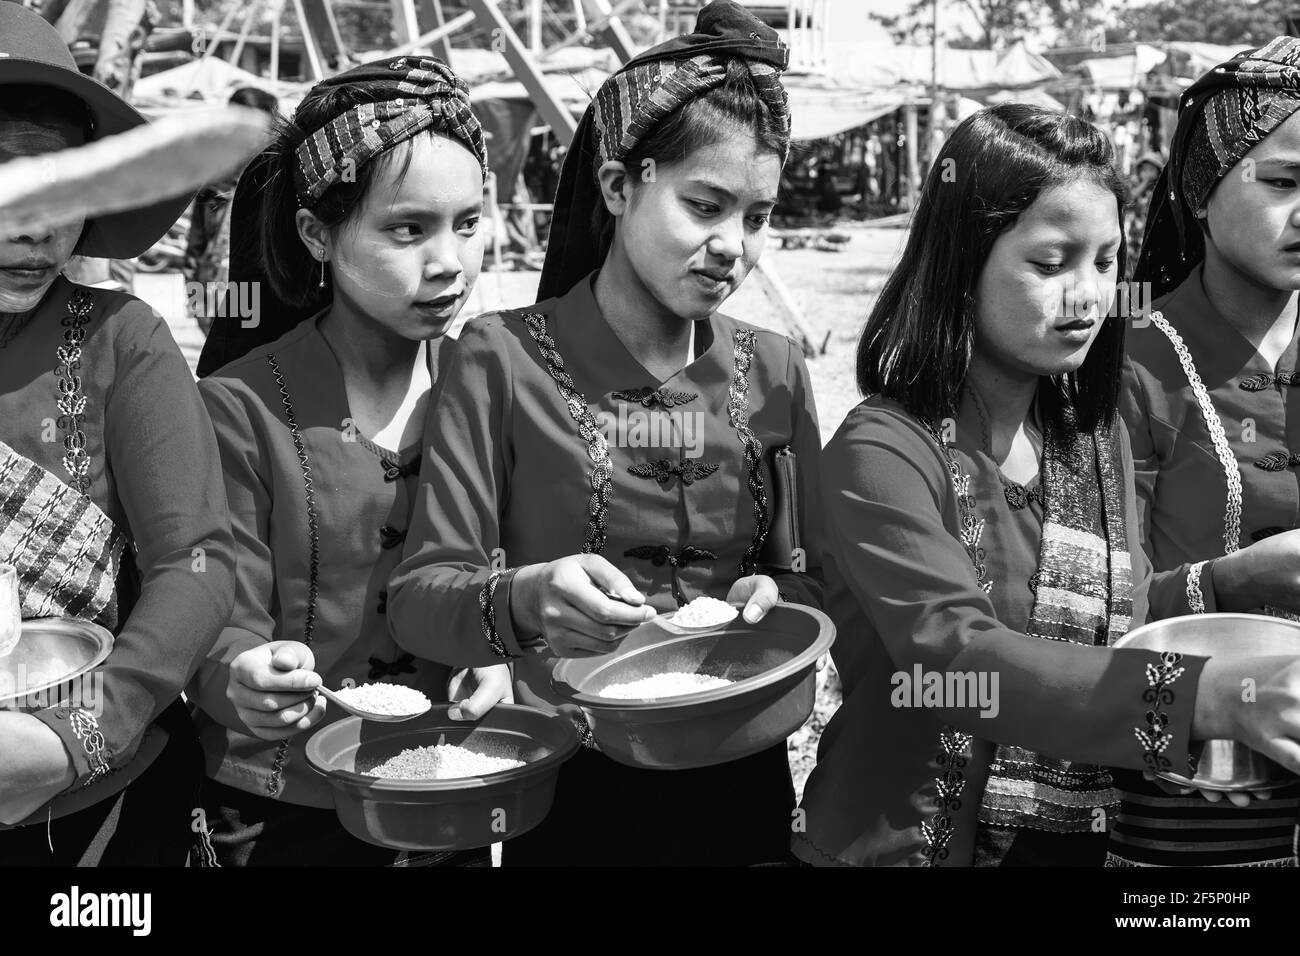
(72, 402)
(602, 484)
(738, 413)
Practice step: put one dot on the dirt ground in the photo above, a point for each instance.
(835, 291)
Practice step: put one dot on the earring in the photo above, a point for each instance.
(321, 284)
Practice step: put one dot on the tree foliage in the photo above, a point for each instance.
(1209, 21)
(1002, 22)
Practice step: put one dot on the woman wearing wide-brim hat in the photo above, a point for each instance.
(112, 507)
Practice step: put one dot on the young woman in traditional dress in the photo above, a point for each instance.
(112, 508)
(608, 453)
(983, 540)
(1212, 408)
(375, 186)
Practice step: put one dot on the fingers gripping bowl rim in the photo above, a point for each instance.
(772, 667)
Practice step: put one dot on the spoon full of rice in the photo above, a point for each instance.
(380, 701)
(702, 613)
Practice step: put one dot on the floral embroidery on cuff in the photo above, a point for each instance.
(1195, 599)
(489, 614)
(85, 727)
(1156, 738)
(950, 783)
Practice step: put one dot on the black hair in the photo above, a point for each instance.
(286, 261)
(36, 103)
(918, 341)
(255, 98)
(698, 123)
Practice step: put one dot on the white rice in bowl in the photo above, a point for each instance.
(669, 684)
(445, 762)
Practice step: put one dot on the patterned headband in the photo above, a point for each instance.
(1264, 91)
(425, 94)
(633, 102)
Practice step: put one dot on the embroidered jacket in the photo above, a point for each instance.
(893, 784)
(549, 438)
(349, 521)
(136, 439)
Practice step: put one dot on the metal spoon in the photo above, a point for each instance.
(334, 698)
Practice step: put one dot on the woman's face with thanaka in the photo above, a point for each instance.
(30, 261)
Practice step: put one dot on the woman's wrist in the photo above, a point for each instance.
(523, 600)
(1232, 582)
(1210, 717)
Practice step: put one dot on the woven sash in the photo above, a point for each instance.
(66, 550)
(1084, 596)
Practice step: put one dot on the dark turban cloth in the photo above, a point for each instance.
(636, 99)
(1221, 117)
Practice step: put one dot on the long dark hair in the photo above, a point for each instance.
(918, 341)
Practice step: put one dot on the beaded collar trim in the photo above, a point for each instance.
(1231, 470)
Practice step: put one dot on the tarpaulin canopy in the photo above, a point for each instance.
(882, 65)
(212, 79)
(816, 113)
(1124, 72)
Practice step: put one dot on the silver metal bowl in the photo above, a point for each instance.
(52, 652)
(773, 665)
(1224, 765)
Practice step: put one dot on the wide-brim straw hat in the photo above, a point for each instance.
(32, 52)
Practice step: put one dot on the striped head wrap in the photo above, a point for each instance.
(413, 94)
(636, 99)
(1221, 118)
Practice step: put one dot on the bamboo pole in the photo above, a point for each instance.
(313, 58)
(441, 44)
(249, 17)
(276, 14)
(435, 36)
(535, 27)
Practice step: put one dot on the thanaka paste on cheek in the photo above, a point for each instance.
(360, 272)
